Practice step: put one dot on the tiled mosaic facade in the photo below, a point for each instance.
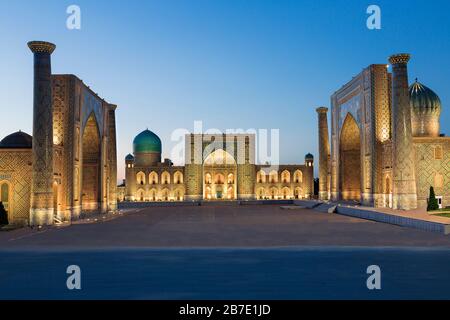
(324, 154)
(432, 164)
(74, 144)
(15, 175)
(376, 159)
(217, 167)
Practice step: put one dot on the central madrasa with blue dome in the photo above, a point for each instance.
(225, 172)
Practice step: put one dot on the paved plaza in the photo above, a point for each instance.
(224, 252)
(222, 226)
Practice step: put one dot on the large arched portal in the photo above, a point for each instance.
(350, 160)
(219, 169)
(90, 192)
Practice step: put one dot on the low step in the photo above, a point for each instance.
(326, 208)
(309, 204)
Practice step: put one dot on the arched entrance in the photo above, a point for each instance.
(273, 193)
(261, 177)
(140, 195)
(5, 198)
(286, 193)
(219, 182)
(153, 194)
(298, 193)
(350, 160)
(165, 194)
(91, 151)
(261, 193)
(298, 176)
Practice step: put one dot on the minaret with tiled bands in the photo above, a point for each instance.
(404, 186)
(42, 211)
(324, 153)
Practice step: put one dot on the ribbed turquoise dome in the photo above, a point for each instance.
(146, 142)
(422, 99)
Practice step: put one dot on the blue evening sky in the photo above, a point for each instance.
(229, 63)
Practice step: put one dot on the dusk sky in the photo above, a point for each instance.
(229, 63)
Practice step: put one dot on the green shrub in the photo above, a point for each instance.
(432, 201)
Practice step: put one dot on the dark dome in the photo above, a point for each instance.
(309, 156)
(17, 140)
(129, 157)
(423, 99)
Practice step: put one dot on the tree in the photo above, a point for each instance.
(432, 201)
(3, 215)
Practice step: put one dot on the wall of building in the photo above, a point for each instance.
(432, 158)
(237, 175)
(158, 183)
(366, 98)
(75, 107)
(287, 182)
(15, 171)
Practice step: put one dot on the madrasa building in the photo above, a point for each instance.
(386, 146)
(69, 164)
(217, 168)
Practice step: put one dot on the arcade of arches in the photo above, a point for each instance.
(220, 170)
(218, 176)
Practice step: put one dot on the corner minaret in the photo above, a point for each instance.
(130, 178)
(324, 154)
(404, 186)
(42, 212)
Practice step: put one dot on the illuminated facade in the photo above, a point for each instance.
(218, 167)
(386, 148)
(69, 164)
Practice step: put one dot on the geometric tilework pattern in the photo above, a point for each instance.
(42, 133)
(16, 167)
(427, 167)
(403, 161)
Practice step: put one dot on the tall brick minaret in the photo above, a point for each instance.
(42, 211)
(404, 186)
(324, 153)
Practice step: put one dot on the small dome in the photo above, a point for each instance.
(146, 142)
(423, 99)
(129, 157)
(17, 140)
(309, 156)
